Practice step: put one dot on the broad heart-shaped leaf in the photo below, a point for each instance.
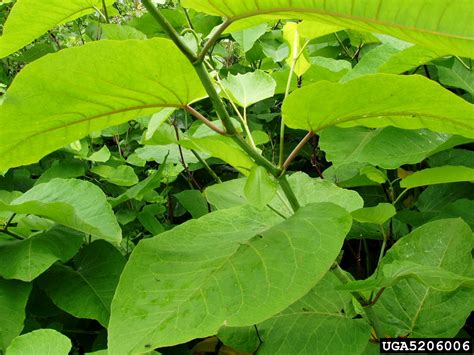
(387, 147)
(120, 80)
(307, 190)
(250, 88)
(439, 175)
(30, 19)
(412, 308)
(13, 297)
(26, 259)
(316, 324)
(235, 267)
(444, 24)
(41, 341)
(77, 204)
(92, 282)
(408, 102)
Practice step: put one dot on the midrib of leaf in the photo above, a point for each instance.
(347, 17)
(90, 118)
(94, 291)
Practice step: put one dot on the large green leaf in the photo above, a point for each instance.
(92, 282)
(120, 80)
(77, 204)
(26, 259)
(408, 102)
(387, 147)
(319, 323)
(40, 342)
(236, 267)
(29, 19)
(440, 175)
(442, 24)
(410, 307)
(13, 297)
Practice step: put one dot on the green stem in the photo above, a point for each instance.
(289, 193)
(169, 29)
(207, 167)
(106, 13)
(210, 43)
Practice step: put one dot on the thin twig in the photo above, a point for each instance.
(204, 120)
(297, 150)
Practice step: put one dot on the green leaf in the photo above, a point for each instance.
(235, 267)
(26, 259)
(194, 202)
(101, 156)
(376, 215)
(443, 25)
(30, 19)
(457, 76)
(440, 175)
(413, 308)
(117, 32)
(13, 298)
(260, 187)
(316, 324)
(123, 175)
(240, 338)
(77, 204)
(307, 190)
(64, 169)
(297, 57)
(387, 148)
(157, 120)
(391, 57)
(92, 282)
(110, 92)
(40, 342)
(408, 102)
(247, 38)
(250, 88)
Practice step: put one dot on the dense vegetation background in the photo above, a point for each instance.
(234, 235)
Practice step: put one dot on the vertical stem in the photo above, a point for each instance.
(106, 13)
(289, 193)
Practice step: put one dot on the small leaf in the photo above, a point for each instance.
(13, 298)
(123, 175)
(93, 281)
(26, 259)
(193, 202)
(297, 57)
(250, 88)
(440, 175)
(260, 187)
(101, 156)
(247, 38)
(376, 215)
(40, 342)
(77, 204)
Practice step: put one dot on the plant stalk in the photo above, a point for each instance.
(169, 29)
